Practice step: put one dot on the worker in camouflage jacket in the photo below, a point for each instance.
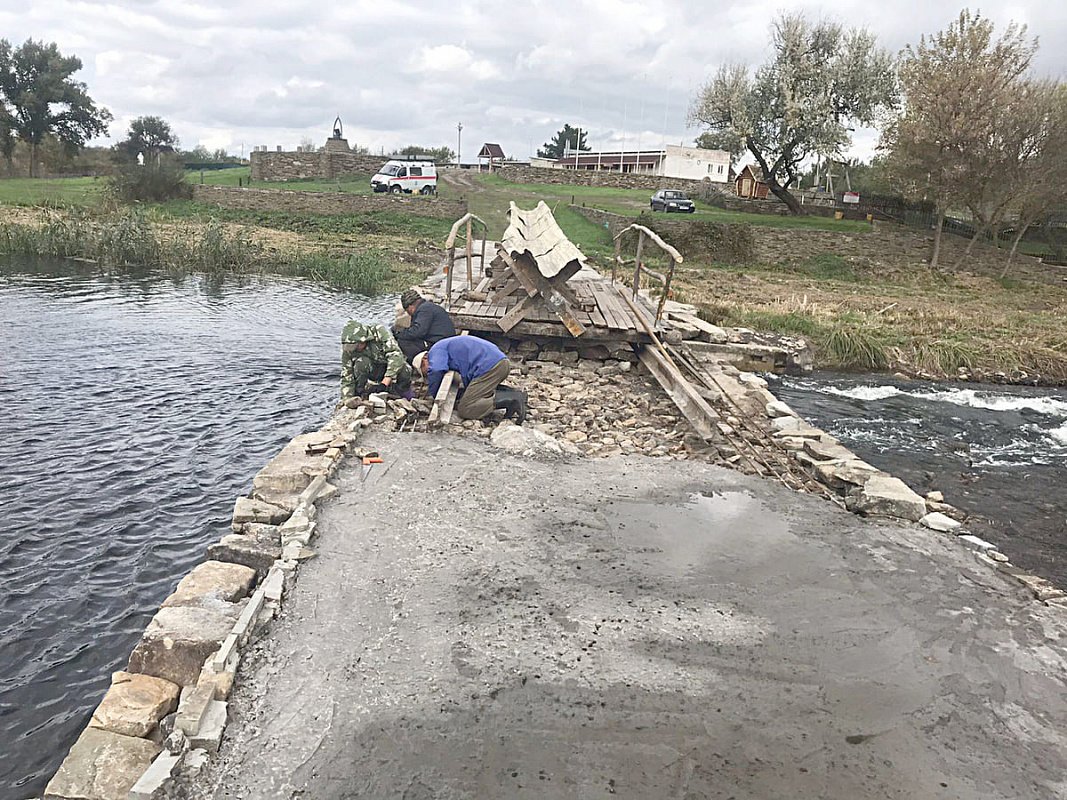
(371, 361)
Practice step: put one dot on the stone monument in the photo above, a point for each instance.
(337, 142)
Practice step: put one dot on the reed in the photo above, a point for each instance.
(128, 238)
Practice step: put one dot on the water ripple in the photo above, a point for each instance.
(136, 408)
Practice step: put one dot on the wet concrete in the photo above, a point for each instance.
(483, 626)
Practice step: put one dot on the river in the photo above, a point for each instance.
(134, 408)
(997, 452)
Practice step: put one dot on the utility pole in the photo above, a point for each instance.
(459, 144)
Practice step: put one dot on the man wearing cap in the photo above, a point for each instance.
(429, 324)
(483, 367)
(371, 361)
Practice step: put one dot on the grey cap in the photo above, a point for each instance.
(409, 297)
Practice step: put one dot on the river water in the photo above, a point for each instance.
(134, 409)
(998, 452)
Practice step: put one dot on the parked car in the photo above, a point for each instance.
(669, 200)
(411, 177)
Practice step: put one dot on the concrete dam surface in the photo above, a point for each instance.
(477, 624)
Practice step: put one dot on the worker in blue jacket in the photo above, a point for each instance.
(483, 367)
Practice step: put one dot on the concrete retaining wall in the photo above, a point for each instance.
(290, 166)
(326, 202)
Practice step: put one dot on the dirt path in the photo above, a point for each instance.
(479, 625)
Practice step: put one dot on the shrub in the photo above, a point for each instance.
(151, 183)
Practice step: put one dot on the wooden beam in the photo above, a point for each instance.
(451, 242)
(516, 314)
(525, 269)
(693, 406)
(445, 401)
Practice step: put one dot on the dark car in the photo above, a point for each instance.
(672, 200)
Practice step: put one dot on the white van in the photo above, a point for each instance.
(410, 177)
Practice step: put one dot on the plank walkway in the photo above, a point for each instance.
(602, 310)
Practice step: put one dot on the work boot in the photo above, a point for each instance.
(513, 401)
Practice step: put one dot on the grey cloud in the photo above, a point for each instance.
(615, 67)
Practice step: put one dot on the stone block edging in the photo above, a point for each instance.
(151, 728)
(868, 491)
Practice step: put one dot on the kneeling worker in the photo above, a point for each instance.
(371, 361)
(429, 324)
(483, 367)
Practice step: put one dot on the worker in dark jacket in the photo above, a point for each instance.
(483, 368)
(429, 324)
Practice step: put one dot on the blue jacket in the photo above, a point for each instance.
(470, 356)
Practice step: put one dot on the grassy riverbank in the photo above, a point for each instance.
(864, 298)
(181, 246)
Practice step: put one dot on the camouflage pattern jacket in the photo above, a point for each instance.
(381, 349)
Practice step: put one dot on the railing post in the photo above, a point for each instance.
(470, 259)
(637, 264)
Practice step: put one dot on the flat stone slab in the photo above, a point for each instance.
(845, 476)
(250, 551)
(937, 521)
(886, 496)
(293, 468)
(828, 451)
(247, 509)
(179, 639)
(214, 580)
(135, 704)
(101, 765)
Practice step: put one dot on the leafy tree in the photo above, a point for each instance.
(1042, 179)
(199, 153)
(821, 81)
(40, 97)
(440, 155)
(566, 139)
(7, 138)
(148, 136)
(954, 84)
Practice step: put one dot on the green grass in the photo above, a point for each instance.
(349, 184)
(825, 267)
(632, 202)
(53, 192)
(374, 222)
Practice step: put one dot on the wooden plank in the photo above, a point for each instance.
(517, 313)
(553, 330)
(445, 401)
(618, 318)
(605, 312)
(694, 408)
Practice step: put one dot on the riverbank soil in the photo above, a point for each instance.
(481, 625)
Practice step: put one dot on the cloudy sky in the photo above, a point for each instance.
(238, 73)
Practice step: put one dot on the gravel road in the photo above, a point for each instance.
(477, 625)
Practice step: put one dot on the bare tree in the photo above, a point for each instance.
(955, 84)
(821, 82)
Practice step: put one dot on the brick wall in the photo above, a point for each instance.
(326, 202)
(290, 166)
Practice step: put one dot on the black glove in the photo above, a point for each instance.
(374, 388)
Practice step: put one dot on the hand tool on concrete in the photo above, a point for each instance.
(368, 460)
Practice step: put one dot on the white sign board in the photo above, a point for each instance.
(852, 197)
